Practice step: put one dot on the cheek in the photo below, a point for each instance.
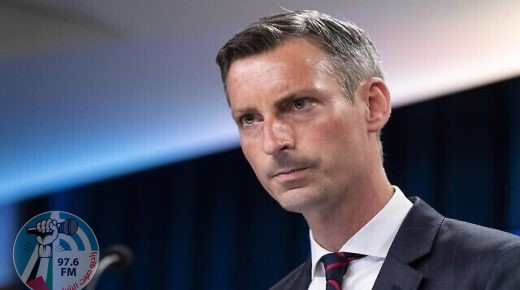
(257, 161)
(253, 157)
(335, 141)
(329, 134)
(248, 152)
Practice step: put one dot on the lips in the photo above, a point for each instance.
(290, 174)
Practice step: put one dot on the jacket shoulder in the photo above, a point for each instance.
(452, 254)
(475, 242)
(476, 235)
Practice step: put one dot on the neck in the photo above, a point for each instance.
(334, 224)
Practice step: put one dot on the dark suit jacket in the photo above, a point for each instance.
(437, 253)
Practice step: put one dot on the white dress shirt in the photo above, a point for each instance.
(373, 240)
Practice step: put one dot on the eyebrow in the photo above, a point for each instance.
(239, 112)
(280, 103)
(277, 104)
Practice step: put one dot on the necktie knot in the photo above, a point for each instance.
(336, 265)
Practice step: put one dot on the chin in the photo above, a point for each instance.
(298, 200)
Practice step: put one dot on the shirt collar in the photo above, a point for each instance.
(385, 223)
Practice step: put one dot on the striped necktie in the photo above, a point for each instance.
(336, 265)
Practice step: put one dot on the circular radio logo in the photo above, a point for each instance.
(56, 250)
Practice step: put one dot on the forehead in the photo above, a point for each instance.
(294, 64)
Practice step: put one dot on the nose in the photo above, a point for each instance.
(277, 137)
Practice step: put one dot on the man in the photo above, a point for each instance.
(308, 95)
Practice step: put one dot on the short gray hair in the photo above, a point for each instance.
(352, 54)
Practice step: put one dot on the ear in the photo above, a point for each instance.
(376, 96)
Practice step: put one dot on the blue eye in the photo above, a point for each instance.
(299, 104)
(248, 119)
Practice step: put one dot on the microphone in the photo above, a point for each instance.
(68, 227)
(117, 257)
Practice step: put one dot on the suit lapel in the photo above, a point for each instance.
(396, 275)
(298, 279)
(413, 240)
(304, 277)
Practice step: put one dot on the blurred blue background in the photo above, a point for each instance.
(114, 111)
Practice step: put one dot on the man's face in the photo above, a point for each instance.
(304, 140)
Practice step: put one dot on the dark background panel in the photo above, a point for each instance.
(207, 223)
